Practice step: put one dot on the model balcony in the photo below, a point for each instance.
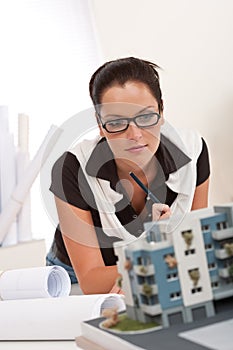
(224, 273)
(152, 310)
(144, 270)
(221, 254)
(153, 289)
(223, 234)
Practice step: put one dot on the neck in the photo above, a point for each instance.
(146, 173)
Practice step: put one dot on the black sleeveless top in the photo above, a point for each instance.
(69, 184)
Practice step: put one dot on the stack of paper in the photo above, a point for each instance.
(51, 315)
(20, 192)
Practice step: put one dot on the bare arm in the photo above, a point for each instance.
(82, 245)
(200, 199)
(83, 249)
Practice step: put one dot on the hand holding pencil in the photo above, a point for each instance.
(159, 210)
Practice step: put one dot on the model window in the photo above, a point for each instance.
(211, 266)
(214, 284)
(205, 228)
(196, 290)
(190, 251)
(175, 295)
(221, 225)
(172, 276)
(139, 260)
(208, 246)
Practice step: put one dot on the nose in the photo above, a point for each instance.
(133, 131)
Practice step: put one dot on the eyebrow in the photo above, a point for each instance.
(121, 116)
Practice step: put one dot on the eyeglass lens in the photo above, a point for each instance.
(142, 120)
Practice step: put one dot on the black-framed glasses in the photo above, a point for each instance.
(141, 121)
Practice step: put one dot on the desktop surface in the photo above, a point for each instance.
(39, 345)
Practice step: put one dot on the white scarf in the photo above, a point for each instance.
(105, 196)
(183, 181)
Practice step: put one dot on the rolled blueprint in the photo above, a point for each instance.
(20, 192)
(35, 282)
(52, 318)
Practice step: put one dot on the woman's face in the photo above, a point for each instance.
(134, 145)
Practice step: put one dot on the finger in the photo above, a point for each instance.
(165, 215)
(160, 211)
(157, 209)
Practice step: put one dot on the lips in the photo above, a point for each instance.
(136, 148)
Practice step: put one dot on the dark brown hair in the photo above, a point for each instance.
(122, 70)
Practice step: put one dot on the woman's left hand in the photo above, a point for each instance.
(160, 211)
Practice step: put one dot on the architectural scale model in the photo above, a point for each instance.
(177, 275)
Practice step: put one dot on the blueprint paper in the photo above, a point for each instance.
(37, 282)
(52, 318)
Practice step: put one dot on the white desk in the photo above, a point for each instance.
(38, 345)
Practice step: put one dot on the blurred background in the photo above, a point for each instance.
(50, 48)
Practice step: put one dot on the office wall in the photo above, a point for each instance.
(192, 42)
(48, 52)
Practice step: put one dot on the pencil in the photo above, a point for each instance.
(145, 189)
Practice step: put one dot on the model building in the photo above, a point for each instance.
(180, 268)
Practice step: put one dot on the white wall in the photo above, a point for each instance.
(192, 42)
(42, 69)
(48, 52)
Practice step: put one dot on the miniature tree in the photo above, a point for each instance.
(111, 317)
(147, 289)
(228, 248)
(230, 270)
(171, 261)
(195, 276)
(119, 281)
(128, 264)
(143, 269)
(188, 238)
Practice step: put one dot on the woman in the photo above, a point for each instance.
(97, 200)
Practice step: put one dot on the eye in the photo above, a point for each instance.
(146, 118)
(115, 124)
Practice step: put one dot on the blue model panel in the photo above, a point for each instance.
(168, 288)
(213, 273)
(221, 264)
(212, 221)
(212, 263)
(141, 257)
(166, 278)
(207, 236)
(210, 253)
(132, 276)
(210, 256)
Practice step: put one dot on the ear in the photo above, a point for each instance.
(161, 113)
(162, 119)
